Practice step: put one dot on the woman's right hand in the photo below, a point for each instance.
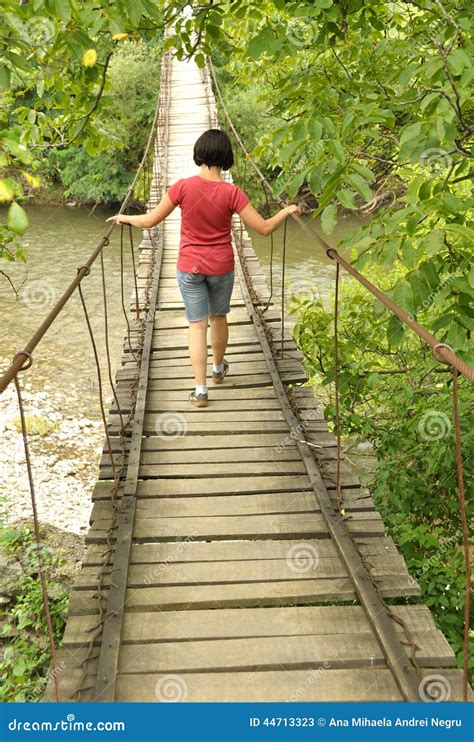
(118, 219)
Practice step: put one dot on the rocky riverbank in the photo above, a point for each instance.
(65, 449)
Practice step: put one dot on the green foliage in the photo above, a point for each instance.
(251, 121)
(54, 60)
(26, 657)
(393, 395)
(371, 109)
(103, 176)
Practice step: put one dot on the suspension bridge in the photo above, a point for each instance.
(232, 555)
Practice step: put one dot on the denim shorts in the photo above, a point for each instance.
(204, 295)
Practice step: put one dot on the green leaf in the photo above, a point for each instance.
(200, 60)
(421, 290)
(403, 296)
(213, 31)
(17, 218)
(410, 132)
(360, 185)
(347, 198)
(395, 331)
(4, 77)
(433, 243)
(458, 59)
(430, 273)
(135, 11)
(347, 121)
(363, 170)
(315, 180)
(460, 230)
(336, 148)
(315, 130)
(329, 218)
(471, 277)
(260, 43)
(295, 184)
(19, 150)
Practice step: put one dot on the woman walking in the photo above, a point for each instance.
(205, 268)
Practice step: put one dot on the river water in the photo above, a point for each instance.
(58, 241)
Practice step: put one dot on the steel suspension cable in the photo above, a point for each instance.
(336, 389)
(122, 296)
(107, 344)
(283, 267)
(39, 553)
(464, 525)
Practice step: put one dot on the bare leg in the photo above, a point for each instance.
(219, 336)
(198, 349)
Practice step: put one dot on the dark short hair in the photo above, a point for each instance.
(214, 148)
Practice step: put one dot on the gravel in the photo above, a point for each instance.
(65, 460)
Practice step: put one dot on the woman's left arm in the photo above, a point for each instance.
(154, 217)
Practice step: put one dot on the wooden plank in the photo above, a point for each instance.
(249, 571)
(262, 653)
(216, 506)
(202, 551)
(211, 456)
(208, 469)
(223, 596)
(238, 485)
(289, 525)
(170, 626)
(319, 684)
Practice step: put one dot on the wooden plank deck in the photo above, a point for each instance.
(232, 582)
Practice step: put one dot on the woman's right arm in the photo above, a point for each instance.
(263, 226)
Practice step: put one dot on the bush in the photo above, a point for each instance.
(26, 652)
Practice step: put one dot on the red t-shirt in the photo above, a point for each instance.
(206, 213)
